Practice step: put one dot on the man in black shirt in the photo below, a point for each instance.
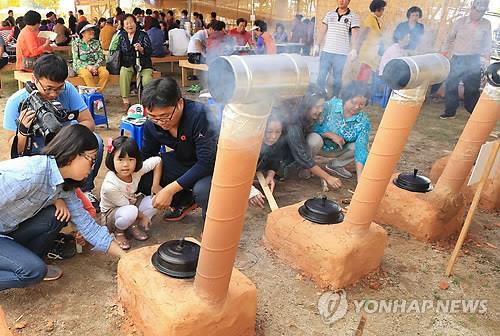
(187, 128)
(72, 22)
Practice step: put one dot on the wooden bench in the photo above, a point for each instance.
(62, 49)
(184, 65)
(8, 67)
(158, 60)
(168, 59)
(22, 77)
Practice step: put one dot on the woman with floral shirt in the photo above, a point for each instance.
(344, 129)
(88, 58)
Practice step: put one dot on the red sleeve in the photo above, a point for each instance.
(87, 205)
(34, 45)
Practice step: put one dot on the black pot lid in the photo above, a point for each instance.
(321, 211)
(413, 182)
(177, 258)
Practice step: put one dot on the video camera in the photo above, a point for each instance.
(49, 115)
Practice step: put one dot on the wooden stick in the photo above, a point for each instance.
(472, 209)
(267, 192)
(361, 325)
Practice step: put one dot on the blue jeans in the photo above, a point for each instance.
(327, 61)
(172, 170)
(22, 251)
(88, 185)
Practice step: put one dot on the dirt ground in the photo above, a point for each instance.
(84, 300)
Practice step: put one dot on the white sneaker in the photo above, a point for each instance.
(95, 202)
(338, 171)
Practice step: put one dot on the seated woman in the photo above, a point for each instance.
(63, 33)
(88, 58)
(280, 35)
(344, 130)
(271, 154)
(300, 139)
(29, 46)
(157, 37)
(4, 57)
(133, 43)
(30, 191)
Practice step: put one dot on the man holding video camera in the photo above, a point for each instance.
(49, 79)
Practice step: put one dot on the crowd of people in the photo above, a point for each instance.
(343, 37)
(50, 180)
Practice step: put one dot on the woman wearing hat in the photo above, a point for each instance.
(88, 58)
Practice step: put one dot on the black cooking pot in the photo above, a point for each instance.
(493, 74)
(321, 211)
(177, 258)
(413, 182)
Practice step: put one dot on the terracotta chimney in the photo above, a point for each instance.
(409, 77)
(4, 329)
(244, 82)
(481, 122)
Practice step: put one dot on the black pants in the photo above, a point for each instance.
(172, 170)
(196, 58)
(468, 70)
(3, 61)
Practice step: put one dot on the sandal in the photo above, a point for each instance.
(122, 240)
(136, 232)
(53, 273)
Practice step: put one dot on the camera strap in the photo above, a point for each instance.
(14, 153)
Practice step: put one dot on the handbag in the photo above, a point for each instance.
(113, 63)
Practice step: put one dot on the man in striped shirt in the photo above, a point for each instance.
(341, 28)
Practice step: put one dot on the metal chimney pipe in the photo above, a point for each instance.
(481, 122)
(411, 72)
(409, 77)
(249, 84)
(251, 79)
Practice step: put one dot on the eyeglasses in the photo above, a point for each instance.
(51, 90)
(164, 119)
(89, 158)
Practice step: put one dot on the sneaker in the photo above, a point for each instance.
(53, 273)
(447, 116)
(338, 171)
(64, 247)
(95, 202)
(195, 88)
(176, 214)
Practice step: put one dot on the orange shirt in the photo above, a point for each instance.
(81, 18)
(269, 44)
(29, 45)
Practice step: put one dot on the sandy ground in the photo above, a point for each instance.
(84, 301)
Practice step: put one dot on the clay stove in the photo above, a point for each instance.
(440, 213)
(338, 255)
(221, 300)
(490, 198)
(4, 329)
